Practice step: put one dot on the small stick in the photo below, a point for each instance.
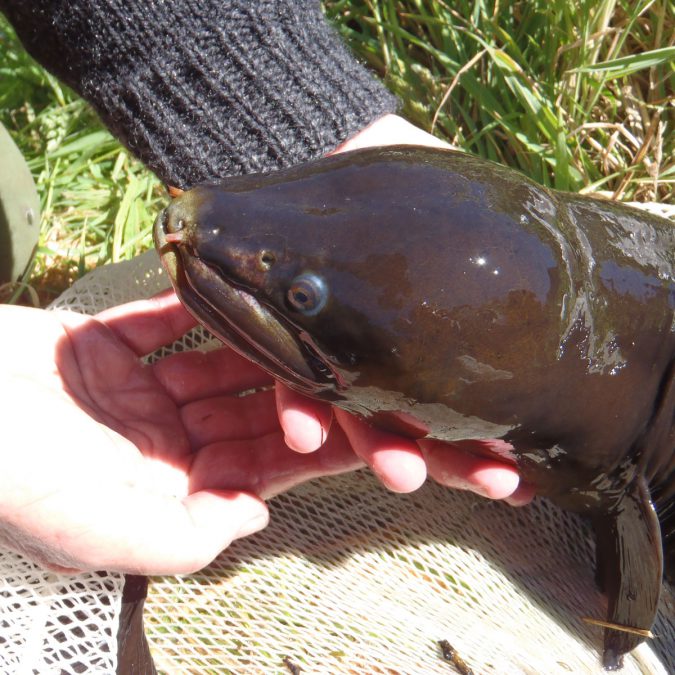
(295, 669)
(450, 654)
(174, 191)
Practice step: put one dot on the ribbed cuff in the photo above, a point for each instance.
(202, 90)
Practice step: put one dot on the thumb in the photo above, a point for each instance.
(149, 533)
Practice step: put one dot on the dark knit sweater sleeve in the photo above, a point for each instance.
(200, 89)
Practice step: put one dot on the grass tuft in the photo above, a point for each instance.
(579, 96)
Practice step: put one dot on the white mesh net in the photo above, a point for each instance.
(348, 578)
(52, 623)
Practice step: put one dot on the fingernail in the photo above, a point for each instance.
(290, 442)
(453, 482)
(480, 491)
(522, 496)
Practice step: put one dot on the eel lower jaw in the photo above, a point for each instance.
(239, 317)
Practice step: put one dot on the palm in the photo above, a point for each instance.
(107, 382)
(167, 412)
(136, 467)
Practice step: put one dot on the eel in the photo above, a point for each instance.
(444, 296)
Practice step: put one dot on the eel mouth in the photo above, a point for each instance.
(236, 317)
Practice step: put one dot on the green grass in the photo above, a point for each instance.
(577, 95)
(98, 203)
(585, 108)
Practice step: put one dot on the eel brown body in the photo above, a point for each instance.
(442, 295)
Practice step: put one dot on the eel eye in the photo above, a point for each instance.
(308, 294)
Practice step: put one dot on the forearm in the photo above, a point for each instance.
(201, 90)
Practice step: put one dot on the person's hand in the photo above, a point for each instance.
(110, 464)
(400, 463)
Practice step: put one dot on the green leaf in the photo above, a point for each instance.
(627, 65)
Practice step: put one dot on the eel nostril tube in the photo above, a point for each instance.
(174, 228)
(174, 237)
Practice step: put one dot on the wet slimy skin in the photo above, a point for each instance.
(438, 294)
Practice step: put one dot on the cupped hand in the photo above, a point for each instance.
(108, 463)
(400, 463)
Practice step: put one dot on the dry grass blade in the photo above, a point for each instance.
(474, 59)
(615, 626)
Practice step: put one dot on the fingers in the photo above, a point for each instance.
(402, 464)
(146, 325)
(266, 467)
(190, 376)
(395, 460)
(455, 468)
(305, 422)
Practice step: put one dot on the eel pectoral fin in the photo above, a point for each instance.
(630, 564)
